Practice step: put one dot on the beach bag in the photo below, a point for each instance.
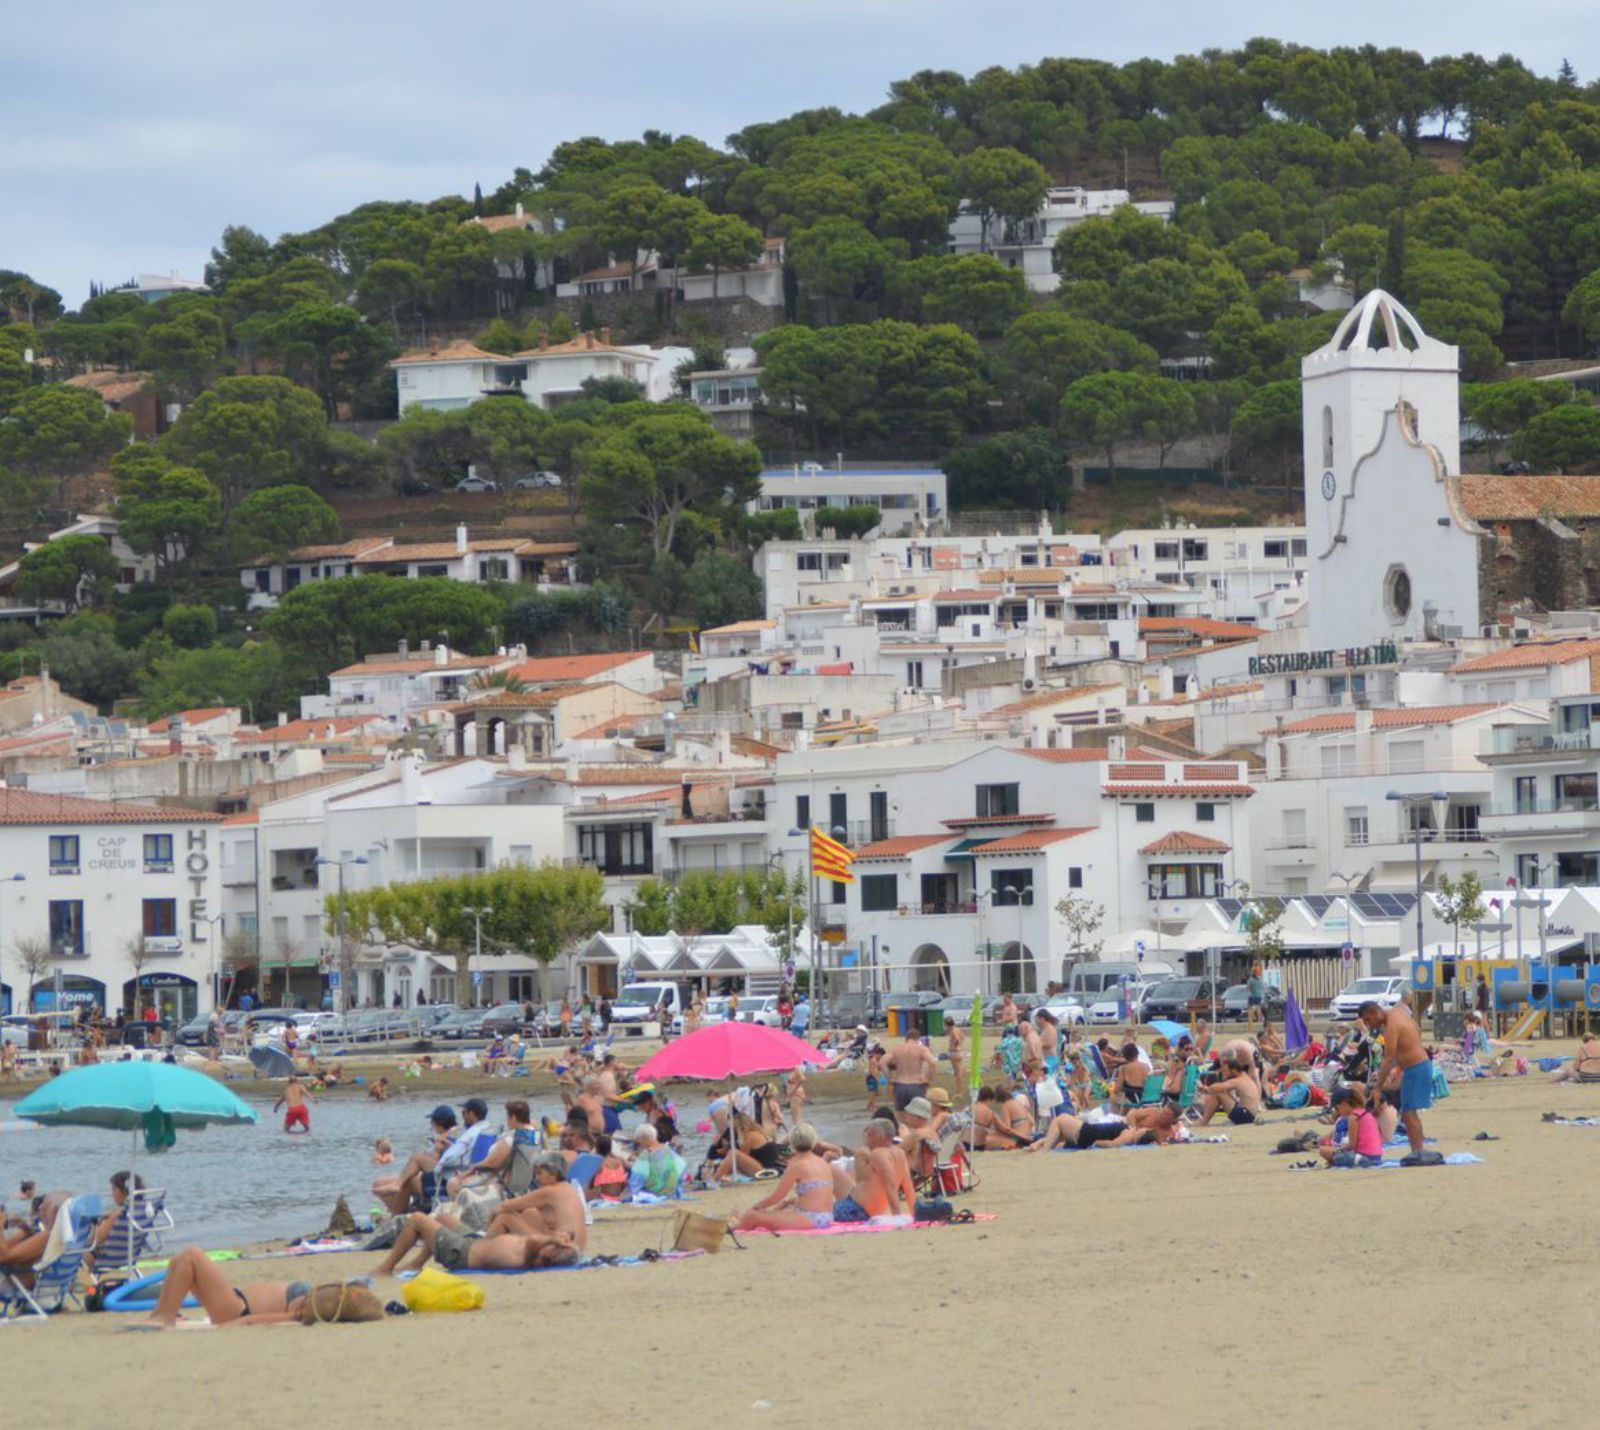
(1441, 1084)
(337, 1302)
(933, 1209)
(435, 1290)
(476, 1205)
(693, 1232)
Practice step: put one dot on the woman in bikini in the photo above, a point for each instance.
(803, 1198)
(261, 1303)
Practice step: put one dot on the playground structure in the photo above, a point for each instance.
(1535, 995)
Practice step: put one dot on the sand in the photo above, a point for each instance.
(1208, 1283)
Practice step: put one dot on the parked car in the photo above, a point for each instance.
(464, 1023)
(194, 1033)
(309, 1027)
(413, 487)
(1178, 999)
(763, 1010)
(503, 1020)
(848, 1010)
(477, 484)
(1235, 1004)
(1067, 1008)
(535, 480)
(1385, 992)
(1115, 1006)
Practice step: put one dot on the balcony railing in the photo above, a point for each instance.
(1539, 740)
(1408, 836)
(1577, 804)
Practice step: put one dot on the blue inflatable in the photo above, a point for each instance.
(130, 1296)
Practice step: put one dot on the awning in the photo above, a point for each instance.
(963, 849)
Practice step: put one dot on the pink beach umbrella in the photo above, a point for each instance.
(726, 1050)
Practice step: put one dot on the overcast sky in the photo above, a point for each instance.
(134, 132)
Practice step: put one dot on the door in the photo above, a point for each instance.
(878, 810)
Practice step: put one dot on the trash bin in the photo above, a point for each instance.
(935, 1021)
(894, 1022)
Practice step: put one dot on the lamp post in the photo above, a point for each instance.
(8, 879)
(1522, 901)
(788, 911)
(1349, 911)
(346, 990)
(981, 944)
(478, 916)
(1409, 802)
(216, 966)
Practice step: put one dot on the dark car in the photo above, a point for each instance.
(502, 1020)
(1235, 1004)
(413, 487)
(1177, 999)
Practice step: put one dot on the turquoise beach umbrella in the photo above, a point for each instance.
(155, 1098)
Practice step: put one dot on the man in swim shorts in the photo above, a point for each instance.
(912, 1066)
(458, 1250)
(1402, 1048)
(882, 1189)
(296, 1105)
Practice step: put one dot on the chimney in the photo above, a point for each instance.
(433, 343)
(175, 735)
(605, 336)
(461, 537)
(544, 341)
(441, 654)
(572, 769)
(669, 734)
(519, 208)
(1117, 747)
(588, 341)
(410, 780)
(405, 648)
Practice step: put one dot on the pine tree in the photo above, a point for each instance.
(1394, 258)
(477, 200)
(1566, 76)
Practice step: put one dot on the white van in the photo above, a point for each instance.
(1090, 980)
(637, 1003)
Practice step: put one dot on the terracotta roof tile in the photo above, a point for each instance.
(359, 546)
(1402, 719)
(28, 807)
(308, 732)
(1531, 655)
(900, 846)
(1217, 692)
(1489, 497)
(419, 665)
(1181, 841)
(1073, 755)
(462, 351)
(583, 343)
(740, 628)
(244, 816)
(571, 669)
(1202, 626)
(1034, 839)
(192, 717)
(981, 821)
(1180, 791)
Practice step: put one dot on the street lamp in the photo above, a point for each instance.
(1349, 912)
(788, 912)
(345, 972)
(1410, 801)
(1522, 901)
(478, 916)
(11, 879)
(216, 967)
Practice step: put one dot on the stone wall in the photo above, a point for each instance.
(1550, 562)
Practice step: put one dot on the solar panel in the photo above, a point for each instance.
(1319, 904)
(1368, 906)
(1231, 907)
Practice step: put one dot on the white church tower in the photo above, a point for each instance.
(1392, 555)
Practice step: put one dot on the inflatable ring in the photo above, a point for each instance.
(130, 1295)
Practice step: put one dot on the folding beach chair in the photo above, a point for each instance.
(952, 1169)
(582, 1171)
(54, 1286)
(135, 1233)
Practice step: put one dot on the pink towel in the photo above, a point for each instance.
(851, 1228)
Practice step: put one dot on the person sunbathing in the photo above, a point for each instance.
(1585, 1067)
(19, 1254)
(554, 1208)
(259, 1303)
(458, 1250)
(881, 1190)
(1128, 1086)
(1238, 1095)
(995, 1132)
(803, 1198)
(1142, 1127)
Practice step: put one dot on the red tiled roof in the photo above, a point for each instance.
(900, 846)
(1045, 698)
(1531, 655)
(244, 816)
(652, 796)
(570, 669)
(1180, 841)
(1217, 692)
(1402, 719)
(1180, 791)
(1488, 497)
(1073, 755)
(301, 732)
(192, 717)
(1033, 840)
(18, 806)
(418, 665)
(979, 821)
(1198, 626)
(462, 351)
(357, 547)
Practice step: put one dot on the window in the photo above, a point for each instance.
(1205, 813)
(1327, 436)
(879, 893)
(1166, 551)
(1576, 792)
(1074, 877)
(997, 800)
(160, 918)
(1144, 814)
(838, 812)
(439, 569)
(802, 811)
(1356, 831)
(808, 561)
(1194, 550)
(63, 853)
(617, 848)
(792, 720)
(878, 814)
(1527, 793)
(1011, 886)
(1297, 547)
(1275, 550)
(158, 854)
(1577, 869)
(1528, 871)
(66, 925)
(493, 569)
(838, 894)
(914, 674)
(1185, 881)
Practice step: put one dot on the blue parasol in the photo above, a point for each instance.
(1295, 1035)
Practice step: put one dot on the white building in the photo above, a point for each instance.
(1544, 809)
(1235, 567)
(1029, 245)
(402, 687)
(442, 379)
(110, 903)
(133, 568)
(906, 496)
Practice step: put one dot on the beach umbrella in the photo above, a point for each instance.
(1295, 1034)
(975, 1077)
(1169, 1030)
(272, 1062)
(153, 1098)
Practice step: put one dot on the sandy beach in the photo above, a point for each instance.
(1208, 1281)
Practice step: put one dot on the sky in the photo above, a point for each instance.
(133, 133)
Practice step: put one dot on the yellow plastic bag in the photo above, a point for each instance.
(435, 1290)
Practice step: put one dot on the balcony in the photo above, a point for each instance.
(1543, 817)
(1538, 740)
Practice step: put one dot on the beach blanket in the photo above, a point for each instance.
(1390, 1164)
(640, 1199)
(593, 1263)
(317, 1246)
(853, 1228)
(1573, 1121)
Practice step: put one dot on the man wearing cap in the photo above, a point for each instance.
(911, 1068)
(917, 1132)
(471, 1145)
(396, 1193)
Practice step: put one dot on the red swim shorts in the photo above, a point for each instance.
(300, 1115)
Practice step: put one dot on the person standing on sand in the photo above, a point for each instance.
(911, 1068)
(1402, 1049)
(798, 1096)
(956, 1048)
(1255, 995)
(295, 1101)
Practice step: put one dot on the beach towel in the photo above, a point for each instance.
(857, 1227)
(318, 1246)
(1391, 1164)
(1572, 1121)
(593, 1263)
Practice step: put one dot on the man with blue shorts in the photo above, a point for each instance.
(1402, 1048)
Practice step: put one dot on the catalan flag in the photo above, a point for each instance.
(830, 859)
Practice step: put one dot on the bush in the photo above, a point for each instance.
(191, 627)
(847, 521)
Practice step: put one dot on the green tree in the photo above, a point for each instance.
(426, 445)
(1108, 409)
(1502, 409)
(1044, 353)
(391, 286)
(1000, 183)
(650, 470)
(458, 273)
(190, 627)
(252, 677)
(1459, 901)
(846, 522)
(1268, 424)
(1357, 250)
(184, 350)
(507, 435)
(541, 911)
(721, 588)
(168, 512)
(501, 336)
(83, 654)
(243, 253)
(840, 261)
(250, 432)
(1564, 439)
(273, 521)
(972, 289)
(719, 242)
(74, 571)
(1582, 308)
(330, 347)
(61, 432)
(1022, 470)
